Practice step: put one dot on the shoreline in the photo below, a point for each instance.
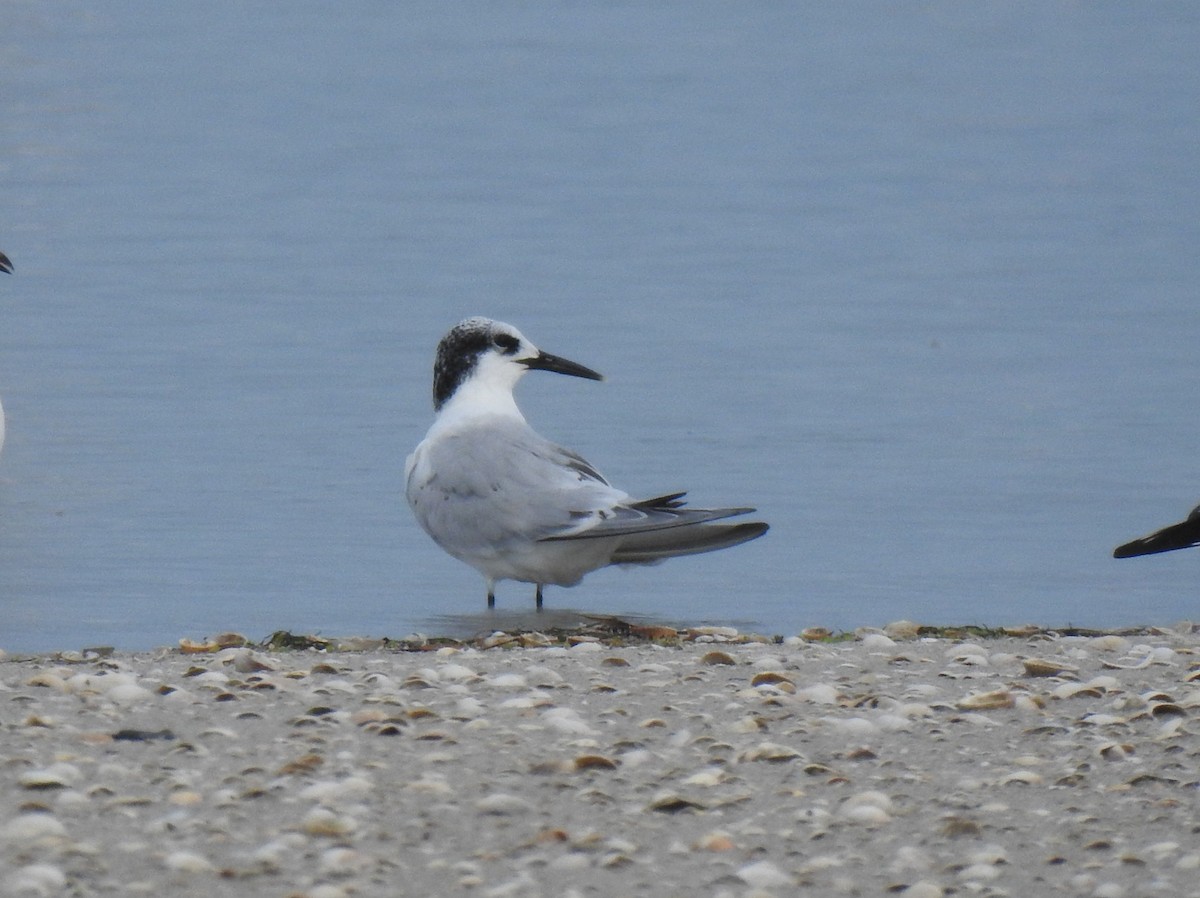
(1019, 762)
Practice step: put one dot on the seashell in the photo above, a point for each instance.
(1115, 751)
(1167, 709)
(456, 673)
(871, 807)
(567, 720)
(595, 762)
(866, 814)
(507, 681)
(856, 727)
(653, 632)
(923, 888)
(714, 841)
(748, 725)
(955, 827)
(188, 862)
(614, 661)
(902, 629)
(712, 776)
(36, 879)
(497, 639)
(333, 791)
(986, 701)
(1110, 643)
(722, 632)
(325, 822)
(718, 658)
(1030, 703)
(551, 836)
(188, 647)
(769, 751)
(878, 642)
(671, 803)
(1039, 667)
(1025, 777)
(246, 661)
(48, 680)
(772, 678)
(56, 776)
(431, 784)
(32, 827)
(977, 873)
(1101, 720)
(342, 861)
(764, 875)
(1074, 690)
(501, 804)
(819, 694)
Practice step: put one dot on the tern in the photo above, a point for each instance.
(1183, 535)
(515, 506)
(7, 267)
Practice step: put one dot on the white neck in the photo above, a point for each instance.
(478, 398)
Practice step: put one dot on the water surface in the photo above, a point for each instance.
(917, 281)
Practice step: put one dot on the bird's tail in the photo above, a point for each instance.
(656, 545)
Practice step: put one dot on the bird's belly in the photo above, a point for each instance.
(553, 563)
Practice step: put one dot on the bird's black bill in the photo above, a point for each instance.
(5, 265)
(544, 361)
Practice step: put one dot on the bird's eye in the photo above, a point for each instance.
(506, 343)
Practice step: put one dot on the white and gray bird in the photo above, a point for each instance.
(515, 506)
(7, 267)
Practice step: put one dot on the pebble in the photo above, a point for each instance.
(763, 875)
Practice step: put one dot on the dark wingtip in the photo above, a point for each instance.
(1183, 535)
(6, 264)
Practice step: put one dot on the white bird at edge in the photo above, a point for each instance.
(515, 506)
(7, 267)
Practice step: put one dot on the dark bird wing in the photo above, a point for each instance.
(1183, 535)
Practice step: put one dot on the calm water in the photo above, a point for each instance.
(917, 280)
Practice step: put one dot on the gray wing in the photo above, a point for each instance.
(661, 513)
(486, 485)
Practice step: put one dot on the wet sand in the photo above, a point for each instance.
(1023, 765)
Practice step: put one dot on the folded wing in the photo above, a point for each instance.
(660, 528)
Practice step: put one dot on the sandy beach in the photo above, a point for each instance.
(707, 764)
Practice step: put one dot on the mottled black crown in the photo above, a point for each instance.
(459, 351)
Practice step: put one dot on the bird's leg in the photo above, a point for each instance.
(491, 588)
(538, 597)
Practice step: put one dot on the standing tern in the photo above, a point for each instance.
(1183, 535)
(515, 506)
